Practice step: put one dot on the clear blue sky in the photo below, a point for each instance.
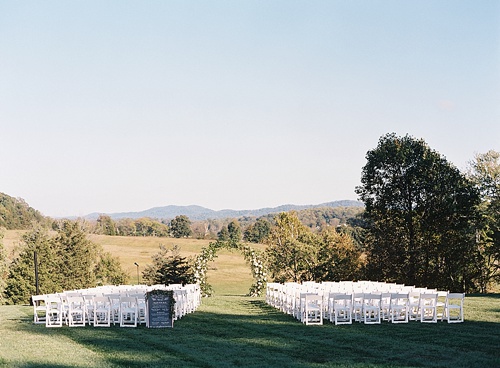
(111, 106)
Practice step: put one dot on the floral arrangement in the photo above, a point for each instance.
(252, 257)
(257, 266)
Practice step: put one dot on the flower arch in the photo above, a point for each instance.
(253, 258)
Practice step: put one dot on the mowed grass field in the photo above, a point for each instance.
(232, 330)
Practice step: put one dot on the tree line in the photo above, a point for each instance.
(425, 223)
(253, 228)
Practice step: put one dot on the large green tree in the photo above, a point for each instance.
(484, 171)
(77, 257)
(106, 225)
(338, 257)
(234, 231)
(290, 249)
(256, 233)
(296, 253)
(180, 227)
(421, 213)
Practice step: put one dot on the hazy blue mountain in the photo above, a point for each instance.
(198, 213)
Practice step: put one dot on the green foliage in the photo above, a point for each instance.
(17, 214)
(200, 267)
(106, 225)
(77, 257)
(290, 249)
(3, 267)
(484, 171)
(180, 227)
(168, 268)
(234, 231)
(67, 261)
(108, 270)
(338, 257)
(21, 279)
(223, 234)
(257, 232)
(318, 219)
(144, 226)
(255, 260)
(295, 253)
(421, 212)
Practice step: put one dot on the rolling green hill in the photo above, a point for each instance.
(15, 213)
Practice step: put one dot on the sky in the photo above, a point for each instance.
(117, 106)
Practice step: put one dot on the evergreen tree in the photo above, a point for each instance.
(234, 231)
(168, 267)
(21, 279)
(223, 234)
(108, 270)
(77, 257)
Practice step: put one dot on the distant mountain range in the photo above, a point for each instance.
(198, 213)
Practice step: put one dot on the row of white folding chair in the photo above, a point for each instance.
(394, 307)
(425, 305)
(73, 311)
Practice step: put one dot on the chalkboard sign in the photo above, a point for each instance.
(160, 307)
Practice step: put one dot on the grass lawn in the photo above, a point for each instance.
(237, 331)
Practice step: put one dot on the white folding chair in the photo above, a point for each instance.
(428, 307)
(102, 311)
(141, 306)
(341, 308)
(114, 299)
(128, 311)
(414, 305)
(357, 306)
(399, 308)
(180, 297)
(55, 311)
(76, 311)
(39, 309)
(371, 308)
(312, 311)
(89, 307)
(455, 307)
(441, 304)
(385, 305)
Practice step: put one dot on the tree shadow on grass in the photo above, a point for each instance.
(262, 336)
